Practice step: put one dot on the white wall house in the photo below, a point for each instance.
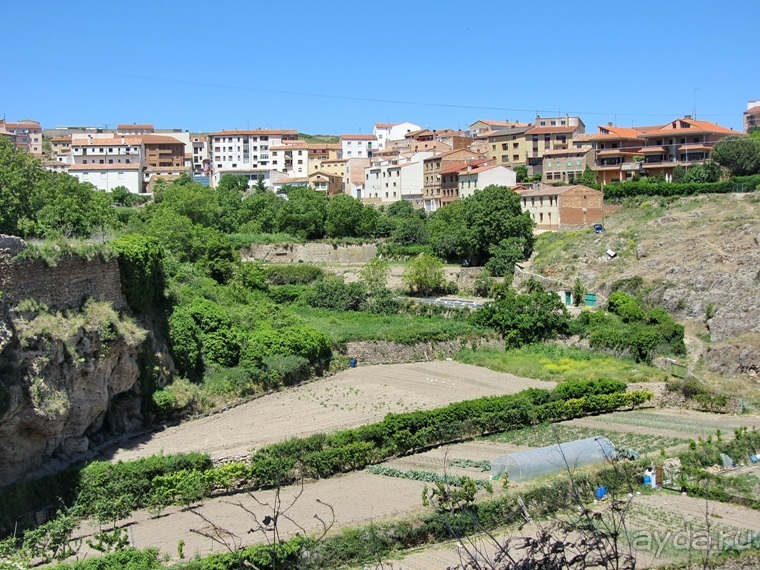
(479, 177)
(245, 153)
(107, 151)
(292, 157)
(106, 177)
(357, 146)
(385, 132)
(396, 179)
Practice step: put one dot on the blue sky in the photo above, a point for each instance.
(339, 67)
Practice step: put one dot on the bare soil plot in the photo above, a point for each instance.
(351, 398)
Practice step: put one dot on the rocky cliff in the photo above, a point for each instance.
(699, 257)
(64, 378)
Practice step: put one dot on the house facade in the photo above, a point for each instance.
(246, 153)
(563, 207)
(752, 116)
(432, 168)
(547, 134)
(357, 146)
(566, 165)
(27, 134)
(476, 177)
(386, 132)
(106, 177)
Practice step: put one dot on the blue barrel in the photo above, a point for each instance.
(647, 481)
(600, 492)
(352, 363)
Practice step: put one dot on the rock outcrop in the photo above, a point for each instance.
(64, 379)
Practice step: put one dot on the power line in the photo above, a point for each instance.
(206, 84)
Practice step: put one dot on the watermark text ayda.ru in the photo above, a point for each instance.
(685, 539)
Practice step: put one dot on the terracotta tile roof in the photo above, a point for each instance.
(386, 125)
(255, 132)
(583, 137)
(753, 110)
(554, 191)
(104, 167)
(179, 169)
(61, 138)
(358, 137)
(24, 124)
(502, 123)
(159, 139)
(464, 164)
(324, 146)
(548, 130)
(614, 133)
(335, 160)
(695, 146)
(689, 126)
(652, 150)
(135, 126)
(292, 180)
(616, 152)
(128, 140)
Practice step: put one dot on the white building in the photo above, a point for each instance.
(357, 146)
(396, 179)
(201, 158)
(114, 150)
(385, 132)
(106, 177)
(472, 178)
(291, 157)
(246, 153)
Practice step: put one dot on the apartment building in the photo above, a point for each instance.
(27, 134)
(481, 126)
(399, 178)
(246, 153)
(507, 146)
(682, 142)
(201, 158)
(163, 152)
(550, 133)
(114, 150)
(60, 147)
(474, 177)
(621, 153)
(752, 116)
(106, 177)
(566, 165)
(563, 207)
(386, 132)
(357, 146)
(320, 152)
(432, 168)
(353, 177)
(291, 157)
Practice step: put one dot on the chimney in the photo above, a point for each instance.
(687, 117)
(609, 123)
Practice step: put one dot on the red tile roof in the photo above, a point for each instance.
(135, 126)
(753, 111)
(690, 126)
(159, 139)
(128, 140)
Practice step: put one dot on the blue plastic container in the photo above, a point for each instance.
(352, 363)
(600, 492)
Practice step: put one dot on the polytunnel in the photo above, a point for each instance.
(552, 459)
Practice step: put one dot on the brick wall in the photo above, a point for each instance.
(580, 207)
(63, 286)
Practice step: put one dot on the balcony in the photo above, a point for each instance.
(627, 166)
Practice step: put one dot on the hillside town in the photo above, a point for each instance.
(429, 168)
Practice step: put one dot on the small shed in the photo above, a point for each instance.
(553, 459)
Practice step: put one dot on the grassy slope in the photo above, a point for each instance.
(665, 242)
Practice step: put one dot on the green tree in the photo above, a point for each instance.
(740, 154)
(579, 292)
(375, 274)
(229, 195)
(522, 172)
(525, 319)
(259, 211)
(425, 275)
(410, 230)
(303, 213)
(344, 216)
(505, 256)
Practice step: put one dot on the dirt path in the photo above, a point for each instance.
(351, 398)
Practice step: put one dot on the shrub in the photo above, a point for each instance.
(289, 369)
(425, 275)
(142, 278)
(164, 402)
(334, 294)
(295, 274)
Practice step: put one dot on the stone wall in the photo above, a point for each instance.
(384, 352)
(65, 285)
(310, 253)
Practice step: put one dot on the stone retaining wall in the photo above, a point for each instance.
(385, 352)
(310, 253)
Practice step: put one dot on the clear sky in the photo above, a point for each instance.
(339, 67)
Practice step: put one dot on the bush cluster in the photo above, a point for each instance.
(620, 190)
(630, 327)
(293, 274)
(140, 266)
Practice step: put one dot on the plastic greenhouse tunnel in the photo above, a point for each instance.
(553, 459)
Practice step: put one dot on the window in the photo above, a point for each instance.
(569, 163)
(577, 162)
(515, 145)
(120, 175)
